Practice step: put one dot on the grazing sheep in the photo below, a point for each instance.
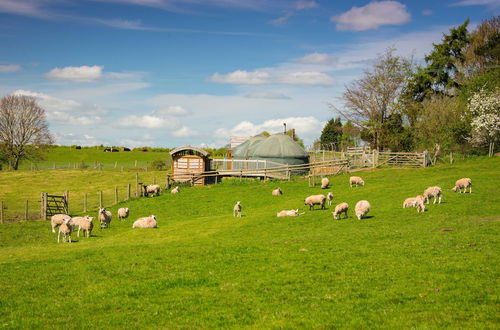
(288, 213)
(329, 198)
(65, 229)
(463, 183)
(58, 219)
(152, 189)
(123, 213)
(341, 208)
(432, 192)
(356, 180)
(315, 200)
(361, 209)
(104, 218)
(146, 222)
(277, 192)
(237, 209)
(417, 202)
(409, 202)
(87, 225)
(325, 183)
(75, 221)
(175, 190)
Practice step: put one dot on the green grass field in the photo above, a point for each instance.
(203, 268)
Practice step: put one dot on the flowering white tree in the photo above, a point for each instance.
(484, 108)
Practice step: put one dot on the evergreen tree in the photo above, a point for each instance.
(331, 134)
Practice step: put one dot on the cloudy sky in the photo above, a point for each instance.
(175, 72)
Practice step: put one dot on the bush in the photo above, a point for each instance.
(159, 165)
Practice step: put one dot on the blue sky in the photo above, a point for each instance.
(175, 72)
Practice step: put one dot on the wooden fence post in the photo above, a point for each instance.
(136, 183)
(168, 181)
(289, 173)
(66, 196)
(241, 174)
(451, 157)
(100, 199)
(85, 202)
(26, 211)
(116, 194)
(1, 212)
(128, 191)
(116, 164)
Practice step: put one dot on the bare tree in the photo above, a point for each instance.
(370, 100)
(23, 129)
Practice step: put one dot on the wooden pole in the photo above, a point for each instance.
(168, 181)
(289, 173)
(66, 195)
(100, 199)
(1, 212)
(116, 194)
(26, 211)
(128, 191)
(136, 183)
(85, 202)
(241, 174)
(116, 164)
(451, 157)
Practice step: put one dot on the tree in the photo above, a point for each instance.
(24, 133)
(370, 100)
(295, 137)
(331, 136)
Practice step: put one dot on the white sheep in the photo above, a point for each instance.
(152, 189)
(409, 202)
(104, 218)
(325, 183)
(75, 221)
(315, 200)
(433, 192)
(329, 198)
(361, 209)
(419, 203)
(463, 183)
(123, 213)
(175, 190)
(340, 208)
(57, 220)
(356, 180)
(237, 209)
(86, 224)
(277, 192)
(146, 222)
(66, 230)
(288, 213)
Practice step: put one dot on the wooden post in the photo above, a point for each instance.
(1, 212)
(168, 181)
(241, 174)
(424, 160)
(100, 199)
(66, 195)
(85, 202)
(116, 194)
(26, 211)
(116, 164)
(54, 166)
(451, 157)
(289, 173)
(216, 176)
(136, 183)
(128, 191)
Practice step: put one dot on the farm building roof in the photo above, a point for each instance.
(189, 149)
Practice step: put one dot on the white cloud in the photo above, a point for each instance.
(241, 77)
(268, 95)
(10, 67)
(147, 121)
(372, 16)
(317, 58)
(184, 132)
(68, 119)
(281, 20)
(489, 3)
(48, 102)
(82, 73)
(303, 4)
(173, 110)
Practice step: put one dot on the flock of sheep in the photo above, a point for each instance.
(67, 224)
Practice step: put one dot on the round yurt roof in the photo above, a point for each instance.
(245, 149)
(280, 148)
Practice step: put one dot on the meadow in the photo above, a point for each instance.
(203, 268)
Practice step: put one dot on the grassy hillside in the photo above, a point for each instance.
(204, 268)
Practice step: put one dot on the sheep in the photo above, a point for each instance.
(329, 198)
(315, 200)
(146, 222)
(341, 208)
(237, 209)
(75, 221)
(463, 183)
(288, 213)
(175, 190)
(153, 189)
(277, 192)
(123, 213)
(87, 225)
(432, 192)
(65, 229)
(419, 203)
(361, 209)
(356, 180)
(58, 219)
(325, 183)
(409, 202)
(104, 217)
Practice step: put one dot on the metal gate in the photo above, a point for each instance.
(53, 204)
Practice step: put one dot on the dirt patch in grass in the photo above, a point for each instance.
(487, 219)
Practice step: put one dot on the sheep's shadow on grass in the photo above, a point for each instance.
(368, 217)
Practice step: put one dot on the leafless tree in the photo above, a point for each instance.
(23, 129)
(369, 100)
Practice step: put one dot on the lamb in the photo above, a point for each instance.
(325, 183)
(432, 192)
(288, 213)
(315, 200)
(341, 208)
(356, 180)
(104, 218)
(419, 203)
(409, 202)
(175, 190)
(329, 198)
(146, 222)
(277, 192)
(237, 209)
(75, 221)
(58, 219)
(87, 225)
(66, 230)
(361, 209)
(123, 213)
(153, 189)
(463, 183)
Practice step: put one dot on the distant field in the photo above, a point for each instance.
(203, 268)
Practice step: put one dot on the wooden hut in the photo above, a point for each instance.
(188, 163)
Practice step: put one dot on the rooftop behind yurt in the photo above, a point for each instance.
(280, 148)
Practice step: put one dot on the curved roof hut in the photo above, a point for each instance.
(280, 148)
(188, 163)
(244, 150)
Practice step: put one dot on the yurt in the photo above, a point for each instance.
(279, 148)
(244, 150)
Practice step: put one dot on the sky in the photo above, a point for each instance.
(168, 73)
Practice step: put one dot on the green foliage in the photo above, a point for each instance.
(331, 136)
(203, 268)
(159, 165)
(295, 137)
